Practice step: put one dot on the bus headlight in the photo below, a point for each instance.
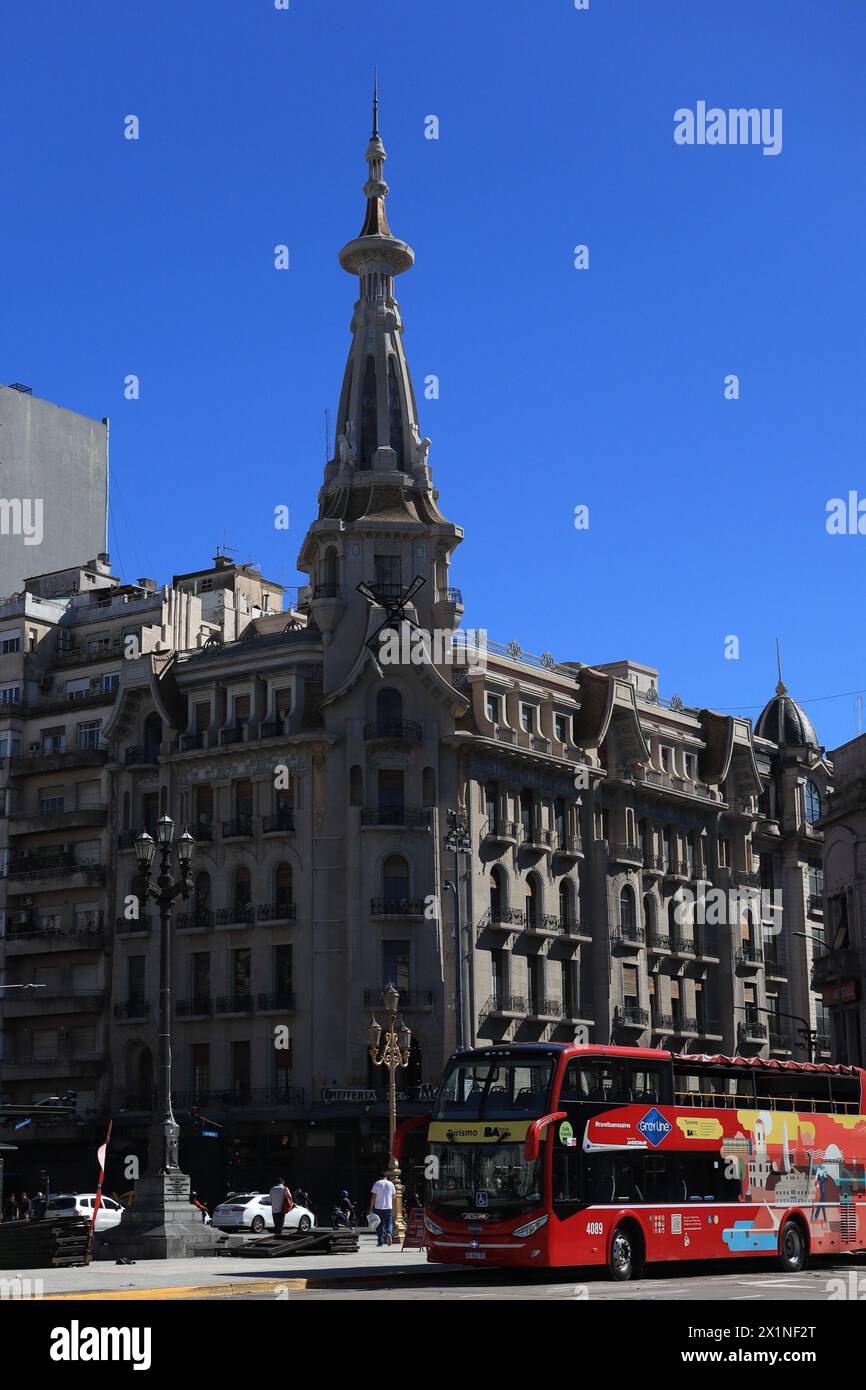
(437, 1230)
(531, 1227)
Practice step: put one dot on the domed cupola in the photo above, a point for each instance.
(786, 722)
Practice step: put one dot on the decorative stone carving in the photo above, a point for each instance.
(346, 444)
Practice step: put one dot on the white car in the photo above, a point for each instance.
(81, 1204)
(251, 1211)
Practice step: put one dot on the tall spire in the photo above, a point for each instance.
(781, 688)
(375, 103)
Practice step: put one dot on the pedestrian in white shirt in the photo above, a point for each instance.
(382, 1203)
(281, 1203)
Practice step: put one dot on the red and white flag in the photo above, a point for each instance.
(100, 1153)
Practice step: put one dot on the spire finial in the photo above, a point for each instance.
(781, 688)
(375, 102)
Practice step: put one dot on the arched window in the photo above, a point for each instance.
(389, 708)
(395, 413)
(497, 894)
(626, 911)
(566, 914)
(369, 416)
(242, 893)
(533, 902)
(649, 914)
(152, 737)
(283, 889)
(813, 803)
(395, 882)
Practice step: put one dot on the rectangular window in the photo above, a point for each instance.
(561, 727)
(110, 681)
(10, 694)
(690, 762)
(241, 967)
(387, 573)
(283, 978)
(89, 795)
(77, 689)
(667, 758)
(88, 734)
(53, 740)
(527, 718)
(240, 1067)
(492, 702)
(50, 799)
(9, 642)
(10, 745)
(135, 979)
(629, 985)
(200, 981)
(724, 852)
(395, 964)
(241, 710)
(199, 1065)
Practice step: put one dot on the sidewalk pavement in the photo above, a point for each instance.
(222, 1274)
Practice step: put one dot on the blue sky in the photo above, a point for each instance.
(559, 387)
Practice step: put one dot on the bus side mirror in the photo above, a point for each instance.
(532, 1142)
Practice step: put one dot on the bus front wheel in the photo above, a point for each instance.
(792, 1247)
(623, 1261)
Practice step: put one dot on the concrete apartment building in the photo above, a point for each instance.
(840, 967)
(49, 455)
(317, 776)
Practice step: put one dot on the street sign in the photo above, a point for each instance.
(415, 1237)
(210, 1134)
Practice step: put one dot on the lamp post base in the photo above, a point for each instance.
(161, 1224)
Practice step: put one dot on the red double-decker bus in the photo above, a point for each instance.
(545, 1155)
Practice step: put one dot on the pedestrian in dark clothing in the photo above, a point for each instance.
(412, 1199)
(302, 1197)
(344, 1211)
(37, 1211)
(10, 1211)
(23, 1207)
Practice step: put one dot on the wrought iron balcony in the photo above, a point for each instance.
(241, 828)
(628, 936)
(542, 922)
(199, 919)
(545, 1008)
(536, 838)
(750, 956)
(662, 1023)
(140, 755)
(234, 1004)
(276, 912)
(849, 963)
(625, 853)
(684, 1024)
(237, 734)
(397, 907)
(755, 1026)
(508, 1005)
(200, 1006)
(677, 868)
(660, 942)
(501, 831)
(282, 823)
(404, 730)
(653, 863)
(568, 846)
(132, 1008)
(272, 728)
(385, 816)
(241, 915)
(191, 741)
(282, 1000)
(630, 1016)
(815, 905)
(708, 1027)
(507, 919)
(326, 591)
(746, 878)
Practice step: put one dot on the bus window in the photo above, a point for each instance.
(845, 1094)
(791, 1090)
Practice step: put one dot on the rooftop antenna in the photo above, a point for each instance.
(781, 688)
(375, 101)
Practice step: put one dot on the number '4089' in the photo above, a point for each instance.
(595, 1228)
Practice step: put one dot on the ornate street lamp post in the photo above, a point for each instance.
(394, 1053)
(162, 1156)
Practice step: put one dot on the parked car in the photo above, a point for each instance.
(251, 1211)
(81, 1204)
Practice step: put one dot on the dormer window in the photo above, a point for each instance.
(561, 727)
(527, 718)
(667, 758)
(492, 708)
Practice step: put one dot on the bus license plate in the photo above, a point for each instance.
(476, 1255)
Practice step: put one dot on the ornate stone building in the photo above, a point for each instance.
(351, 809)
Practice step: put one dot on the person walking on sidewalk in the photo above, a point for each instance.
(382, 1203)
(281, 1203)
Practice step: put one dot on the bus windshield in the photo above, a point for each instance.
(495, 1089)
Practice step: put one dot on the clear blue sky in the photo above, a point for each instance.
(558, 387)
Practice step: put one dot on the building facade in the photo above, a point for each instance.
(840, 965)
(525, 847)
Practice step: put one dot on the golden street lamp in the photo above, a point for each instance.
(394, 1053)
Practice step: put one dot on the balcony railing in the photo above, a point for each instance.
(406, 730)
(545, 1008)
(625, 853)
(241, 915)
(143, 756)
(708, 1027)
(850, 962)
(500, 831)
(653, 863)
(514, 1005)
(542, 922)
(190, 741)
(815, 904)
(750, 955)
(200, 1006)
(272, 728)
(199, 919)
(409, 998)
(282, 1000)
(627, 936)
(410, 817)
(235, 735)
(397, 907)
(276, 912)
(677, 868)
(283, 822)
(234, 1004)
(684, 1024)
(138, 926)
(568, 845)
(659, 941)
(535, 837)
(746, 878)
(241, 828)
(132, 1008)
(630, 1016)
(755, 1026)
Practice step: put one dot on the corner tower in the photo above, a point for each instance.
(379, 521)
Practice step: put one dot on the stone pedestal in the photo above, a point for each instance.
(161, 1224)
